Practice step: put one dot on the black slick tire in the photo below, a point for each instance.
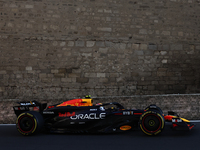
(29, 123)
(154, 107)
(151, 122)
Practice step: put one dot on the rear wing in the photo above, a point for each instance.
(29, 106)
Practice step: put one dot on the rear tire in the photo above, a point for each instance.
(152, 122)
(29, 123)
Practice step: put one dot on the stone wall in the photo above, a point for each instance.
(57, 49)
(187, 106)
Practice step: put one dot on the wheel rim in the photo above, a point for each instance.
(151, 123)
(26, 124)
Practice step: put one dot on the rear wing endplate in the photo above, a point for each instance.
(29, 106)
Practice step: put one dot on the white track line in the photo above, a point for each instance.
(194, 120)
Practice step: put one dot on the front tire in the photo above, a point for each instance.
(152, 122)
(29, 123)
(154, 107)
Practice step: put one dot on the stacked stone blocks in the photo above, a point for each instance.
(59, 49)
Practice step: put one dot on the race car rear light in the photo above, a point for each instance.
(50, 107)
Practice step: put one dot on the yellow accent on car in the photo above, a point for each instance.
(185, 120)
(162, 120)
(87, 101)
(125, 127)
(144, 131)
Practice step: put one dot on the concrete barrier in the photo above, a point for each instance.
(186, 105)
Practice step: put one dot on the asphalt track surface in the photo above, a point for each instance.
(10, 139)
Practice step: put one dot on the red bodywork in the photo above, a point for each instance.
(77, 102)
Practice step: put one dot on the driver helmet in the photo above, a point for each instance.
(102, 108)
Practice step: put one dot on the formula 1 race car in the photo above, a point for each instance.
(81, 116)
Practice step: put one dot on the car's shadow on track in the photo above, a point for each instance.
(167, 132)
(10, 138)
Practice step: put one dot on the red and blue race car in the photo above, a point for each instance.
(82, 116)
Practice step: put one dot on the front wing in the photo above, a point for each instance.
(179, 123)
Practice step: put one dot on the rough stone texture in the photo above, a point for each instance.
(187, 106)
(58, 49)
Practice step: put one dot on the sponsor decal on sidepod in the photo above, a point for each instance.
(89, 116)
